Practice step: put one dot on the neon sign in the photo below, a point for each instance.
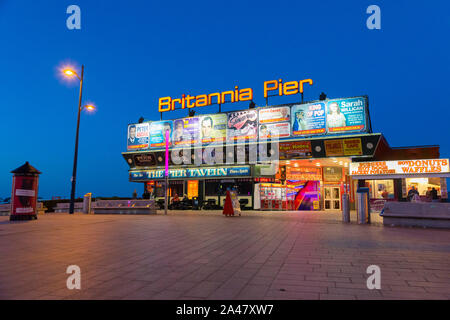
(191, 173)
(189, 101)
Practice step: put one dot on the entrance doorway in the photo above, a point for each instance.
(332, 198)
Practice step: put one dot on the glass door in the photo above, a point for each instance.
(332, 198)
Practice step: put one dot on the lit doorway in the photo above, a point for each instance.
(332, 198)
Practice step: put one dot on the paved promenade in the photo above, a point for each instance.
(200, 255)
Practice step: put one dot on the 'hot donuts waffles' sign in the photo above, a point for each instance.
(400, 167)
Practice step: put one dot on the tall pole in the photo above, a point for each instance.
(167, 135)
(75, 158)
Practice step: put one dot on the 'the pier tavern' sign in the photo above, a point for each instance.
(191, 173)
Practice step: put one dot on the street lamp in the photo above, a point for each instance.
(70, 73)
(166, 181)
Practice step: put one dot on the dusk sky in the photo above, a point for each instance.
(137, 51)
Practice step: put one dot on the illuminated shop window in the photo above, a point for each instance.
(424, 185)
(381, 189)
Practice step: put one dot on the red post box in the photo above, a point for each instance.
(24, 193)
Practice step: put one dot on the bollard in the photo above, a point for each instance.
(362, 205)
(345, 208)
(87, 203)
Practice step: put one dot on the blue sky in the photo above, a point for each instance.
(137, 51)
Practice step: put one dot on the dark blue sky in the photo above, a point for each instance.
(138, 51)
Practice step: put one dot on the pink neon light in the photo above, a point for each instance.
(167, 153)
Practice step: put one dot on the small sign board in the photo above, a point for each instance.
(316, 205)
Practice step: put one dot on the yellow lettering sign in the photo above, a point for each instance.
(271, 88)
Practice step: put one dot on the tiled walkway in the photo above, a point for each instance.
(203, 255)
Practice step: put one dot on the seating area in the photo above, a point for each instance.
(243, 203)
(5, 209)
(419, 214)
(124, 207)
(64, 207)
(189, 204)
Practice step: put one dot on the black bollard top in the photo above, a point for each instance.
(26, 169)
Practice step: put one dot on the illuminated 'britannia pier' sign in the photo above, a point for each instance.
(271, 88)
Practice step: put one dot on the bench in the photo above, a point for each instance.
(64, 207)
(6, 208)
(417, 214)
(124, 207)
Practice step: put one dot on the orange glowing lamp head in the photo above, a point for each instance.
(69, 72)
(89, 107)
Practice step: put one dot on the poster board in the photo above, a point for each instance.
(242, 125)
(213, 128)
(157, 133)
(192, 188)
(24, 195)
(318, 118)
(185, 131)
(138, 136)
(308, 119)
(347, 115)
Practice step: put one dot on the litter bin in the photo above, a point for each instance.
(195, 203)
(345, 208)
(87, 203)
(362, 205)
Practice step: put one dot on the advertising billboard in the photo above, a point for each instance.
(278, 114)
(352, 147)
(138, 136)
(192, 189)
(272, 130)
(343, 147)
(346, 115)
(242, 125)
(186, 131)
(300, 149)
(213, 128)
(157, 133)
(308, 119)
(334, 148)
(303, 173)
(319, 118)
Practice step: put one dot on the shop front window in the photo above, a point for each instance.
(174, 188)
(424, 185)
(159, 190)
(381, 189)
(212, 188)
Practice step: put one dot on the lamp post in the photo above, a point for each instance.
(71, 73)
(166, 182)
